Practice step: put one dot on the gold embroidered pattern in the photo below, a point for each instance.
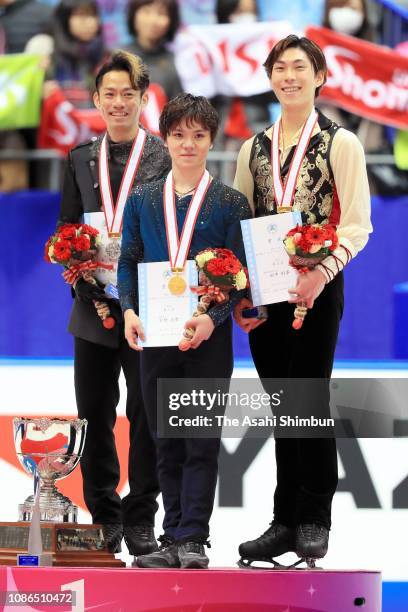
(315, 183)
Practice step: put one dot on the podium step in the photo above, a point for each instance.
(212, 590)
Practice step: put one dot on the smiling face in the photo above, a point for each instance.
(188, 144)
(119, 104)
(293, 78)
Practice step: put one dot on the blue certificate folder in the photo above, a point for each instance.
(163, 314)
(270, 274)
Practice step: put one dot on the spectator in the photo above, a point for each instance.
(153, 24)
(78, 49)
(243, 116)
(348, 17)
(351, 17)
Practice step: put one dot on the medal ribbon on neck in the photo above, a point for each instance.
(284, 193)
(178, 249)
(114, 213)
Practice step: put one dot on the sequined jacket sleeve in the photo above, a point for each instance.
(236, 209)
(131, 252)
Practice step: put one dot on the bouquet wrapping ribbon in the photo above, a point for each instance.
(75, 271)
(211, 290)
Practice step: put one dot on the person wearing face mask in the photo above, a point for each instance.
(153, 24)
(236, 11)
(348, 17)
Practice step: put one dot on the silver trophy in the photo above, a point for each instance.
(50, 447)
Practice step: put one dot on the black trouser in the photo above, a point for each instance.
(187, 467)
(97, 370)
(307, 473)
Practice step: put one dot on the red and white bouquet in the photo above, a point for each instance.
(219, 271)
(74, 245)
(307, 246)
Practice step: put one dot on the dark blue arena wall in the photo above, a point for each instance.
(35, 301)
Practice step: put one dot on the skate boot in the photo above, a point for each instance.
(312, 542)
(140, 539)
(277, 540)
(113, 534)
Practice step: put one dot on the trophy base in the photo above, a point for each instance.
(56, 508)
(70, 544)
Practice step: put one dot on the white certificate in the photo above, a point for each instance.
(270, 274)
(163, 314)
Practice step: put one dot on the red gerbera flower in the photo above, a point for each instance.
(81, 243)
(315, 235)
(67, 232)
(217, 267)
(232, 265)
(88, 229)
(62, 251)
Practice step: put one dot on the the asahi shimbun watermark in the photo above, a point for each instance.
(282, 407)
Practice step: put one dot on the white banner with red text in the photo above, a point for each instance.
(366, 79)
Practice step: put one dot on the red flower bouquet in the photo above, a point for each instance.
(74, 246)
(219, 271)
(307, 246)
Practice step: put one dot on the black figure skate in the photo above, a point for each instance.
(308, 541)
(312, 542)
(276, 541)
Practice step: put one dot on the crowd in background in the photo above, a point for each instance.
(73, 37)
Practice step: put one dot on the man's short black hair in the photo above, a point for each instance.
(191, 109)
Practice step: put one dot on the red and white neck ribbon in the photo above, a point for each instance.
(178, 249)
(284, 193)
(114, 212)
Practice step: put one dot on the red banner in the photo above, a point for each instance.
(63, 126)
(365, 79)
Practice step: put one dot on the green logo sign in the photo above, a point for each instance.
(21, 81)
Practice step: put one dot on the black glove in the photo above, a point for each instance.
(88, 292)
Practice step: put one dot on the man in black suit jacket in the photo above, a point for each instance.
(100, 175)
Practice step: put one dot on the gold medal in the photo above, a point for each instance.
(177, 285)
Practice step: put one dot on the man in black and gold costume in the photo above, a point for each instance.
(99, 177)
(329, 182)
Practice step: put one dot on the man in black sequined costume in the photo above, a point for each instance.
(325, 168)
(100, 354)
